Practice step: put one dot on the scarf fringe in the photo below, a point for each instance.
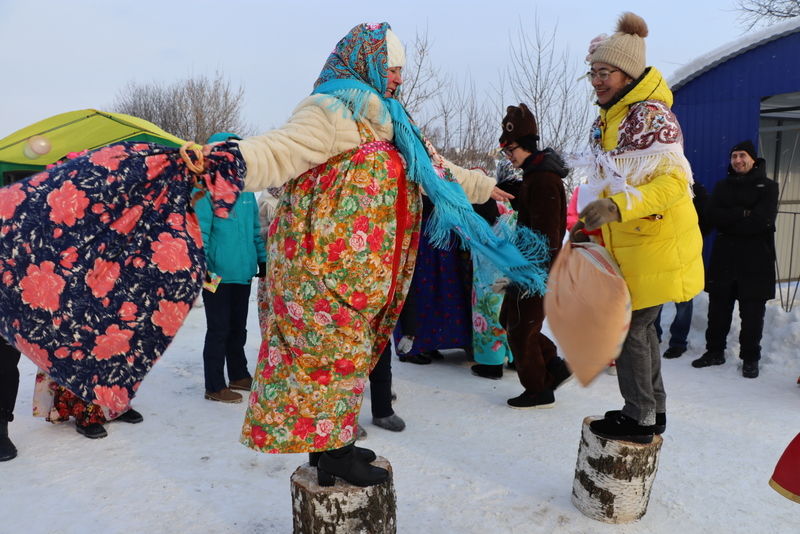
(602, 171)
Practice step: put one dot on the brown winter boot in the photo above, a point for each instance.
(224, 395)
(243, 383)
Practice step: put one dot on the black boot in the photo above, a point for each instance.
(543, 399)
(494, 372)
(131, 416)
(750, 369)
(622, 427)
(344, 463)
(92, 430)
(661, 420)
(7, 449)
(365, 455)
(708, 359)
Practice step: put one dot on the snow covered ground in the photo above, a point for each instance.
(465, 464)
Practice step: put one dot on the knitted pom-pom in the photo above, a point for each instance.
(632, 23)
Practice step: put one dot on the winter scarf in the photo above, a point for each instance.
(356, 70)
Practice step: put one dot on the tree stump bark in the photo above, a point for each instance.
(613, 478)
(342, 508)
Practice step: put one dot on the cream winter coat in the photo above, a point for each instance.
(318, 130)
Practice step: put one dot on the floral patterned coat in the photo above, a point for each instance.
(100, 260)
(341, 250)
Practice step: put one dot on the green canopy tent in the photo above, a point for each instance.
(30, 149)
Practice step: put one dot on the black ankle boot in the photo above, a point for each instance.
(622, 427)
(7, 449)
(661, 420)
(493, 372)
(365, 455)
(345, 464)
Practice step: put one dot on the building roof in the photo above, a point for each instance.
(708, 61)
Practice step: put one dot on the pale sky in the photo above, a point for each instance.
(64, 55)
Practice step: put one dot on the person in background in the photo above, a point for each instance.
(645, 212)
(235, 253)
(380, 378)
(743, 209)
(267, 202)
(489, 338)
(56, 404)
(9, 385)
(682, 323)
(541, 205)
(441, 289)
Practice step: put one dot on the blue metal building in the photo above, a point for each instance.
(748, 89)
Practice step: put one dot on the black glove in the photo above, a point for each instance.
(262, 269)
(577, 235)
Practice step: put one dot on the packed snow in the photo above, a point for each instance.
(466, 463)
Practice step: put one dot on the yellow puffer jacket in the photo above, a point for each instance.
(657, 244)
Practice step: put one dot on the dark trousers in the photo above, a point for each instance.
(532, 350)
(720, 314)
(226, 334)
(9, 380)
(380, 384)
(679, 329)
(639, 369)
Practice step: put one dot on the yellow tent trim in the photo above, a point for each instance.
(77, 130)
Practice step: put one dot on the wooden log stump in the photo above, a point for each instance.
(342, 508)
(613, 478)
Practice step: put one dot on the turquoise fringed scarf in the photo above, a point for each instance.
(355, 70)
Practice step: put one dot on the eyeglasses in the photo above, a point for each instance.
(509, 150)
(602, 74)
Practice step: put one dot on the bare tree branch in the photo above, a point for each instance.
(191, 109)
(451, 116)
(551, 84)
(421, 82)
(766, 12)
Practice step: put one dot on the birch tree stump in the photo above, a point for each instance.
(613, 478)
(342, 508)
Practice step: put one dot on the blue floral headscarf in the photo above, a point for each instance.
(357, 69)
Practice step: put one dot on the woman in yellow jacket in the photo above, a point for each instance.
(644, 209)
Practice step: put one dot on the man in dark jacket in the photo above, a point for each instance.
(541, 205)
(742, 209)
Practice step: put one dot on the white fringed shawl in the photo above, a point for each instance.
(650, 143)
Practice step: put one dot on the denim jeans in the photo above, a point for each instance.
(639, 369)
(679, 329)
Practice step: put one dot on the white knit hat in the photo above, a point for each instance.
(395, 52)
(625, 49)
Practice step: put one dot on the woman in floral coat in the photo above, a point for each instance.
(342, 247)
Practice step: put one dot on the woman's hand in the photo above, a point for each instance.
(500, 195)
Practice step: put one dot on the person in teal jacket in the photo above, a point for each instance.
(235, 252)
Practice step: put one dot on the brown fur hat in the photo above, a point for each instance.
(518, 122)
